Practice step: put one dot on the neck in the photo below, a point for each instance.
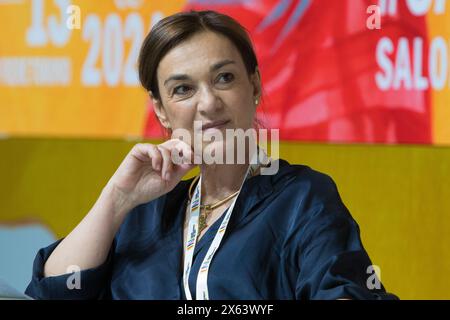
(221, 180)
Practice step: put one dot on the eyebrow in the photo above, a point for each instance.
(177, 77)
(221, 64)
(213, 68)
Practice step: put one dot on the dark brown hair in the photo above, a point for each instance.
(172, 30)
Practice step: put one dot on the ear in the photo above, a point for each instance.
(255, 79)
(160, 111)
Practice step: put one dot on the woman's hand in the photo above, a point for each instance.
(148, 172)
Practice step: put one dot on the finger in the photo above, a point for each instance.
(140, 151)
(156, 157)
(184, 153)
(167, 163)
(180, 149)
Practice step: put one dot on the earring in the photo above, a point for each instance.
(256, 101)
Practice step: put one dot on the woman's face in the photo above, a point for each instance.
(205, 79)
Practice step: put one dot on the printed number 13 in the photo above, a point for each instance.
(38, 34)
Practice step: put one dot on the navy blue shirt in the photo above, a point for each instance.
(289, 237)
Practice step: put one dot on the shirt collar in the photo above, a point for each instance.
(254, 190)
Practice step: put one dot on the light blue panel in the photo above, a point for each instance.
(18, 247)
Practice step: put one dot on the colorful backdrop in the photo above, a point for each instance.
(367, 103)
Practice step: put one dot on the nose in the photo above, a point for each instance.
(208, 101)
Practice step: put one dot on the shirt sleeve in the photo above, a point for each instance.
(333, 263)
(93, 283)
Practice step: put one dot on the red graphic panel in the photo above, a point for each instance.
(318, 65)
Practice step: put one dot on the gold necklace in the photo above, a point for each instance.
(208, 208)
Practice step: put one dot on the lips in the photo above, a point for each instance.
(214, 124)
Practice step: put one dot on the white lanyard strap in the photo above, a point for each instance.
(192, 236)
(202, 277)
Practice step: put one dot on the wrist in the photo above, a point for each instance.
(118, 202)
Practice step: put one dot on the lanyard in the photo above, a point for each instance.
(202, 277)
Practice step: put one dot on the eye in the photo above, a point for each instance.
(226, 77)
(181, 90)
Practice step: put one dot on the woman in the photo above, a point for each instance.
(152, 236)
